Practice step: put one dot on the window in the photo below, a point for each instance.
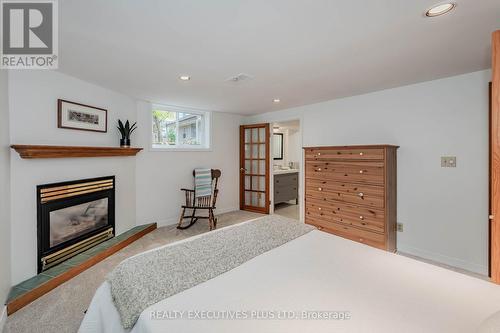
(175, 128)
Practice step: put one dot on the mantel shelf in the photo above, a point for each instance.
(39, 151)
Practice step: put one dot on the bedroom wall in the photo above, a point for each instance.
(444, 210)
(161, 174)
(4, 193)
(33, 120)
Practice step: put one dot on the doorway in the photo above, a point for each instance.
(286, 158)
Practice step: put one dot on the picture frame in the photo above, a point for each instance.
(77, 116)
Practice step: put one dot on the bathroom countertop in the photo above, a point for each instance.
(281, 172)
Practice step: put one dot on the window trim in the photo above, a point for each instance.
(181, 148)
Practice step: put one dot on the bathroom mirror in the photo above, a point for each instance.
(278, 146)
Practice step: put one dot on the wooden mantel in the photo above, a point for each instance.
(38, 151)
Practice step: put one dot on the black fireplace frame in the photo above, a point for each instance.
(44, 209)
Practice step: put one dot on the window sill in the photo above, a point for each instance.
(180, 149)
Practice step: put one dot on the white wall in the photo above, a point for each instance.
(294, 146)
(4, 192)
(444, 210)
(33, 120)
(161, 174)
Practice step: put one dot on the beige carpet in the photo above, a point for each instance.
(62, 309)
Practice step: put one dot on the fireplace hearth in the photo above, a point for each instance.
(73, 217)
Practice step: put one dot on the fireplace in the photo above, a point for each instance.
(73, 217)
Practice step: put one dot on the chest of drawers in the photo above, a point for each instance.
(350, 191)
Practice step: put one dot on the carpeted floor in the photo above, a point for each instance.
(62, 309)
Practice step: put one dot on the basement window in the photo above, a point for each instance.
(175, 128)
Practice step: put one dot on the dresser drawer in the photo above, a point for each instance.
(364, 218)
(362, 172)
(366, 195)
(320, 154)
(282, 194)
(362, 236)
(286, 179)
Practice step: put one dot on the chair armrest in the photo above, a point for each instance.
(189, 194)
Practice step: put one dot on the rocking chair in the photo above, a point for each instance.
(201, 203)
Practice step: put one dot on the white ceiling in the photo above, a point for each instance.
(302, 51)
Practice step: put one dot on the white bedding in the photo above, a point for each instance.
(383, 292)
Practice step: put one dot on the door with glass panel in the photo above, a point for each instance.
(254, 168)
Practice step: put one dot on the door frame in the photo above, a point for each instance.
(264, 210)
(494, 214)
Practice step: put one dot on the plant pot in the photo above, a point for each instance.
(125, 143)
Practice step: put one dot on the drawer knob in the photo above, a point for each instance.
(361, 171)
(361, 194)
(361, 239)
(319, 154)
(320, 189)
(361, 217)
(361, 154)
(319, 208)
(319, 169)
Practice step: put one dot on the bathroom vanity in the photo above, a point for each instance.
(286, 186)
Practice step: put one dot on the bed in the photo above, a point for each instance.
(315, 283)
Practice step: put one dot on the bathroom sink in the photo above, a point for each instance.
(282, 171)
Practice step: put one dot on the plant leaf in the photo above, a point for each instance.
(121, 132)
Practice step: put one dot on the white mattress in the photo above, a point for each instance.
(383, 292)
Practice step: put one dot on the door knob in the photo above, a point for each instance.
(491, 217)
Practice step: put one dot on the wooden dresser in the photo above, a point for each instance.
(350, 191)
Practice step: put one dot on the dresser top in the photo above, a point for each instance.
(353, 146)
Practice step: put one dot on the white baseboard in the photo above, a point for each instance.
(440, 258)
(3, 318)
(175, 219)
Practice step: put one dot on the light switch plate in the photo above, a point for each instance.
(448, 161)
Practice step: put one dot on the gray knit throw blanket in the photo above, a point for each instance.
(148, 278)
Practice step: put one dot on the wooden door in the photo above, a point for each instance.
(495, 161)
(254, 168)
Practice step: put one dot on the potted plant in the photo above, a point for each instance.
(126, 130)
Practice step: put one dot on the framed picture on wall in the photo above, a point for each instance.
(82, 117)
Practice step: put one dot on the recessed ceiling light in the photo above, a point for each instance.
(185, 77)
(276, 100)
(440, 9)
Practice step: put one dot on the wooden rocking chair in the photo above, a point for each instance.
(202, 203)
